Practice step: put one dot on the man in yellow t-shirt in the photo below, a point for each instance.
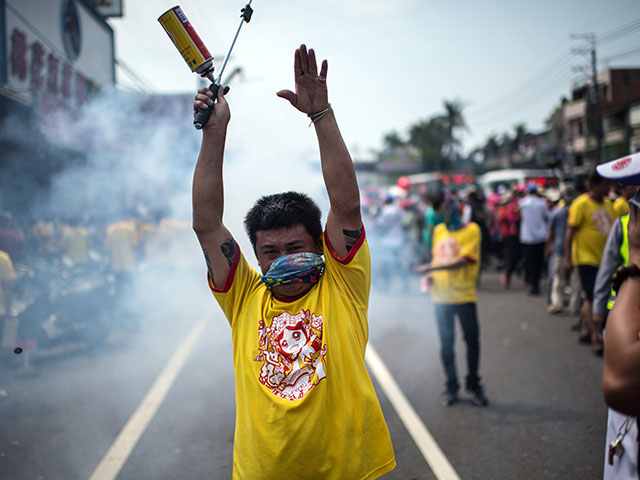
(7, 279)
(453, 275)
(590, 218)
(43, 236)
(74, 242)
(305, 406)
(121, 240)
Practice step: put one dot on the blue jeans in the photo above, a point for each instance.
(467, 314)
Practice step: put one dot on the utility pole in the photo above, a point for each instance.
(593, 110)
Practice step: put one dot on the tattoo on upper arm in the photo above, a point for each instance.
(229, 250)
(351, 237)
(209, 269)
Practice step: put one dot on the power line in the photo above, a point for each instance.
(544, 87)
(534, 81)
(626, 53)
(137, 79)
(620, 32)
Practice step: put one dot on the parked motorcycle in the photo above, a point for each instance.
(61, 303)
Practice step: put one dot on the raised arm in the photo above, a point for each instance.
(218, 245)
(344, 223)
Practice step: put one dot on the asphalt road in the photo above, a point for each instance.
(546, 418)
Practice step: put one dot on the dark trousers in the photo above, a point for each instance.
(534, 262)
(467, 314)
(511, 254)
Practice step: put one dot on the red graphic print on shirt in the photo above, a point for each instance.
(447, 251)
(292, 354)
(602, 221)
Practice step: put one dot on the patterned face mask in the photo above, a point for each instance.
(450, 214)
(295, 268)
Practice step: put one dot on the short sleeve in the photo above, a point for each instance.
(576, 213)
(241, 282)
(352, 273)
(470, 246)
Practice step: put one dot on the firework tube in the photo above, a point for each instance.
(187, 40)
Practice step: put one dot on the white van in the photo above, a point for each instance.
(515, 176)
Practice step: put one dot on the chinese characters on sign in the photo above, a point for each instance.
(42, 69)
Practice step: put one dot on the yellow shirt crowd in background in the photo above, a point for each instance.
(7, 274)
(121, 240)
(305, 405)
(457, 285)
(44, 234)
(620, 206)
(593, 221)
(75, 244)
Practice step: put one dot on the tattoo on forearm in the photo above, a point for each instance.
(351, 237)
(209, 269)
(229, 250)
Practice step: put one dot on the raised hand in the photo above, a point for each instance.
(220, 115)
(311, 88)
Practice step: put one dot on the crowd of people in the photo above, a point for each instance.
(528, 231)
(299, 324)
(37, 251)
(581, 238)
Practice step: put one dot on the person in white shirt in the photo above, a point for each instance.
(534, 216)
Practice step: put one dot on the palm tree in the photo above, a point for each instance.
(454, 122)
(392, 140)
(430, 137)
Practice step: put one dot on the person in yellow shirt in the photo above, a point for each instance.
(43, 236)
(453, 278)
(74, 242)
(121, 240)
(621, 204)
(7, 279)
(305, 406)
(590, 218)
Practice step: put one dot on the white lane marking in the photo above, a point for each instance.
(431, 452)
(117, 455)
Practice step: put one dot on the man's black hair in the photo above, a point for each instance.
(283, 210)
(596, 179)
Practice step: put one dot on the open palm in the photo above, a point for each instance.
(311, 89)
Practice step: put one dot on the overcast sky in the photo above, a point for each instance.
(391, 62)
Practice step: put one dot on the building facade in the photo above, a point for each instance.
(54, 56)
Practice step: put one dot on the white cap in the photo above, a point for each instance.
(624, 170)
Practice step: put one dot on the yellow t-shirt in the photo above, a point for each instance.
(121, 239)
(457, 285)
(75, 244)
(593, 221)
(44, 233)
(620, 207)
(7, 273)
(305, 405)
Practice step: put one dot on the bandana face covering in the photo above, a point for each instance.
(295, 268)
(451, 214)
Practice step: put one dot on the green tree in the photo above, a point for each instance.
(429, 137)
(454, 123)
(392, 140)
(519, 134)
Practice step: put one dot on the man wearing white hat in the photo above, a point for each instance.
(621, 375)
